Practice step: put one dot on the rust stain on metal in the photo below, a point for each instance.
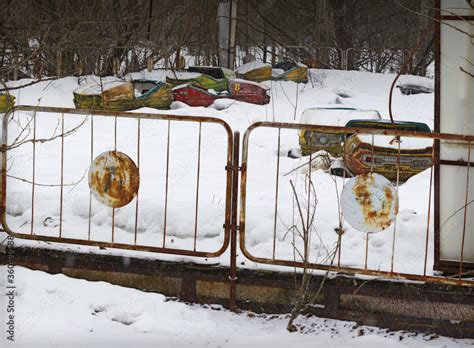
(378, 218)
(369, 202)
(114, 179)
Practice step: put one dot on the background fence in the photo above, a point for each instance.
(121, 61)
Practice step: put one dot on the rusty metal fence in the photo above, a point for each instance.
(299, 198)
(59, 163)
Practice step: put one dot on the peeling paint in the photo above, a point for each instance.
(369, 202)
(114, 179)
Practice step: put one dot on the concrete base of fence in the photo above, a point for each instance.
(442, 309)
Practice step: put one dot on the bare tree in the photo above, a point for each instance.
(304, 229)
(45, 39)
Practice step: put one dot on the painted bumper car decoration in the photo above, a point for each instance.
(311, 141)
(382, 158)
(194, 95)
(255, 71)
(207, 77)
(241, 90)
(248, 91)
(124, 96)
(291, 71)
(7, 101)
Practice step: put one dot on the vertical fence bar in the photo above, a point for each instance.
(339, 241)
(465, 208)
(115, 133)
(366, 249)
(62, 178)
(276, 193)
(373, 159)
(399, 140)
(429, 211)
(115, 149)
(341, 216)
(138, 165)
(367, 234)
(90, 192)
(233, 220)
(296, 102)
(306, 230)
(272, 100)
(113, 225)
(33, 174)
(166, 183)
(197, 187)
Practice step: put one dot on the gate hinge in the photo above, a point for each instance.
(238, 168)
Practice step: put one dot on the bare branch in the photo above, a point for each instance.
(466, 72)
(47, 185)
(45, 140)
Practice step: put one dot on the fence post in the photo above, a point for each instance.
(15, 69)
(58, 63)
(116, 66)
(150, 64)
(233, 222)
(344, 59)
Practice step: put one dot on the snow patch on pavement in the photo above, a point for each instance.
(57, 311)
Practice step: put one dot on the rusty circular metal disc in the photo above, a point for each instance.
(369, 202)
(114, 179)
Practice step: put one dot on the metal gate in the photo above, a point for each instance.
(295, 193)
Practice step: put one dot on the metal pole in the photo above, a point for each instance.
(223, 12)
(59, 57)
(233, 223)
(232, 29)
(227, 19)
(150, 11)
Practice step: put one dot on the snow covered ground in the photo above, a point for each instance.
(57, 311)
(327, 88)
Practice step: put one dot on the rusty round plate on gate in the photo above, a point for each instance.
(114, 179)
(369, 202)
